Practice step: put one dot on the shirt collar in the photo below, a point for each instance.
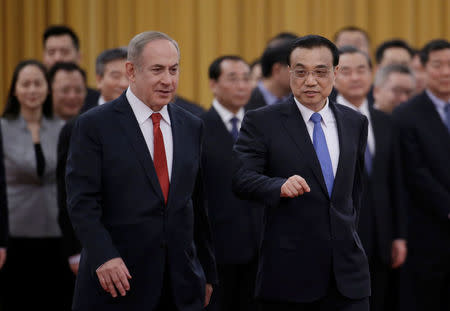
(439, 103)
(268, 96)
(306, 113)
(142, 111)
(101, 100)
(226, 114)
(363, 109)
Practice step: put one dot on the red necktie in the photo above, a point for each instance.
(159, 156)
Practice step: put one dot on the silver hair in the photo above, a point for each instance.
(137, 44)
(384, 72)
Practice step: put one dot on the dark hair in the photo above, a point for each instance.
(273, 55)
(215, 70)
(395, 43)
(61, 30)
(280, 38)
(349, 49)
(433, 45)
(315, 41)
(12, 109)
(108, 56)
(351, 28)
(66, 66)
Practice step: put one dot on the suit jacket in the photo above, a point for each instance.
(117, 209)
(236, 224)
(310, 238)
(91, 100)
(383, 217)
(71, 245)
(425, 146)
(31, 198)
(193, 108)
(4, 223)
(256, 100)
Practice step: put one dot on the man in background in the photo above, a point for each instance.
(353, 36)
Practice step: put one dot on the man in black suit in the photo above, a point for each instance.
(274, 87)
(61, 44)
(236, 224)
(304, 159)
(135, 193)
(382, 219)
(424, 123)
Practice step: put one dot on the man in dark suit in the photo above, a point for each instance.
(236, 224)
(192, 107)
(424, 123)
(304, 159)
(61, 44)
(135, 193)
(382, 219)
(274, 87)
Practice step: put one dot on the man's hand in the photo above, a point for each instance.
(294, 187)
(113, 275)
(208, 290)
(399, 252)
(2, 257)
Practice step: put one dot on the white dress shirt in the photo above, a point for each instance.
(101, 100)
(364, 110)
(226, 115)
(329, 128)
(142, 113)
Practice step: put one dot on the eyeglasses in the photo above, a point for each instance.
(303, 74)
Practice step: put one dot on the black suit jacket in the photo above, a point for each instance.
(91, 100)
(117, 209)
(4, 222)
(236, 224)
(189, 106)
(425, 144)
(312, 237)
(383, 216)
(256, 100)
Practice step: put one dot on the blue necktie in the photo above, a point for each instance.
(368, 160)
(320, 145)
(234, 129)
(447, 116)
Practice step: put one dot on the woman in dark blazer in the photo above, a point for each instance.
(35, 269)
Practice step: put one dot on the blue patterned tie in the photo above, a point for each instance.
(234, 129)
(447, 116)
(320, 145)
(368, 160)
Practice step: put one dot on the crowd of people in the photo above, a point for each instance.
(317, 180)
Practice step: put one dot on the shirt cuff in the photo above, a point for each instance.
(74, 259)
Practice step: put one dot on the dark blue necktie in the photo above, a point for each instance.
(368, 160)
(234, 129)
(447, 115)
(320, 145)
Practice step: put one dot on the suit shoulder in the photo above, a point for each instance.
(411, 109)
(185, 115)
(349, 112)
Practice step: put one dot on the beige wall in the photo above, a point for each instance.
(206, 29)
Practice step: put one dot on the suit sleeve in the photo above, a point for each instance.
(4, 227)
(71, 245)
(359, 169)
(84, 192)
(417, 174)
(202, 229)
(250, 157)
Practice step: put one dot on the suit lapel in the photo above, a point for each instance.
(435, 123)
(343, 134)
(177, 136)
(223, 135)
(296, 128)
(130, 126)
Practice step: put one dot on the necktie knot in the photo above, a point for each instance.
(234, 121)
(156, 118)
(316, 117)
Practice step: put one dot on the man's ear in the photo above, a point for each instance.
(99, 80)
(130, 68)
(213, 85)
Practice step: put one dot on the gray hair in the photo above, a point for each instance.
(138, 43)
(384, 72)
(108, 56)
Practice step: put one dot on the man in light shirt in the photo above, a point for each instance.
(236, 224)
(382, 221)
